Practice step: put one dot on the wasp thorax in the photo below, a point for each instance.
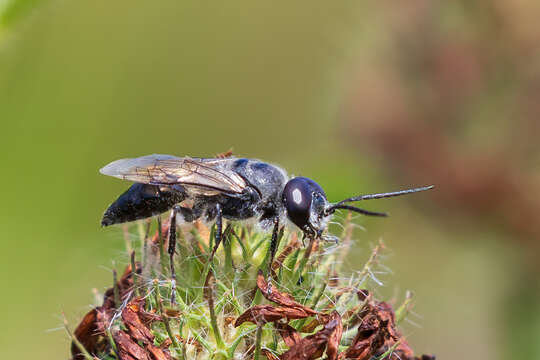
(304, 202)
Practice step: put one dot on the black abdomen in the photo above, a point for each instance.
(141, 201)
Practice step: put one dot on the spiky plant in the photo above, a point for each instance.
(240, 304)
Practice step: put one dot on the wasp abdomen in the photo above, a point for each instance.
(141, 201)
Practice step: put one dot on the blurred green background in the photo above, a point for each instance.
(361, 96)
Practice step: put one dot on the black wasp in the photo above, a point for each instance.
(231, 188)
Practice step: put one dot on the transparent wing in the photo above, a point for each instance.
(205, 176)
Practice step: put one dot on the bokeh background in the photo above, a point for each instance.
(362, 96)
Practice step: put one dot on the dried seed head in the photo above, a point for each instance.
(300, 300)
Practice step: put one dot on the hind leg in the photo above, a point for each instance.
(187, 215)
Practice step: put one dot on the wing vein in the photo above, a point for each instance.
(200, 174)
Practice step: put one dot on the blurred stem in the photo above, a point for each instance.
(209, 294)
(227, 245)
(127, 240)
(304, 260)
(144, 232)
(258, 338)
(134, 274)
(403, 310)
(164, 316)
(161, 247)
(362, 278)
(111, 341)
(76, 341)
(388, 353)
(116, 291)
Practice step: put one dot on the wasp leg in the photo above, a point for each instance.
(273, 248)
(273, 243)
(188, 215)
(219, 226)
(172, 249)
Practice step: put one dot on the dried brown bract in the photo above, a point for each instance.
(91, 331)
(137, 342)
(269, 355)
(289, 334)
(332, 348)
(312, 346)
(87, 334)
(262, 314)
(377, 333)
(271, 293)
(136, 328)
(127, 348)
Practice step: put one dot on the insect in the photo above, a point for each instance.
(229, 188)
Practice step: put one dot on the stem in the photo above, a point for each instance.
(144, 239)
(388, 353)
(304, 260)
(127, 240)
(134, 275)
(404, 309)
(116, 291)
(209, 295)
(161, 247)
(363, 275)
(258, 338)
(164, 316)
(227, 246)
(76, 341)
(111, 341)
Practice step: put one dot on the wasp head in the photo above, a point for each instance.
(308, 208)
(306, 205)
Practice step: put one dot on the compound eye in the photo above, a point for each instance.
(297, 198)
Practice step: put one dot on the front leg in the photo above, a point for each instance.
(274, 242)
(272, 250)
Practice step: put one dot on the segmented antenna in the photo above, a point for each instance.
(358, 210)
(341, 204)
